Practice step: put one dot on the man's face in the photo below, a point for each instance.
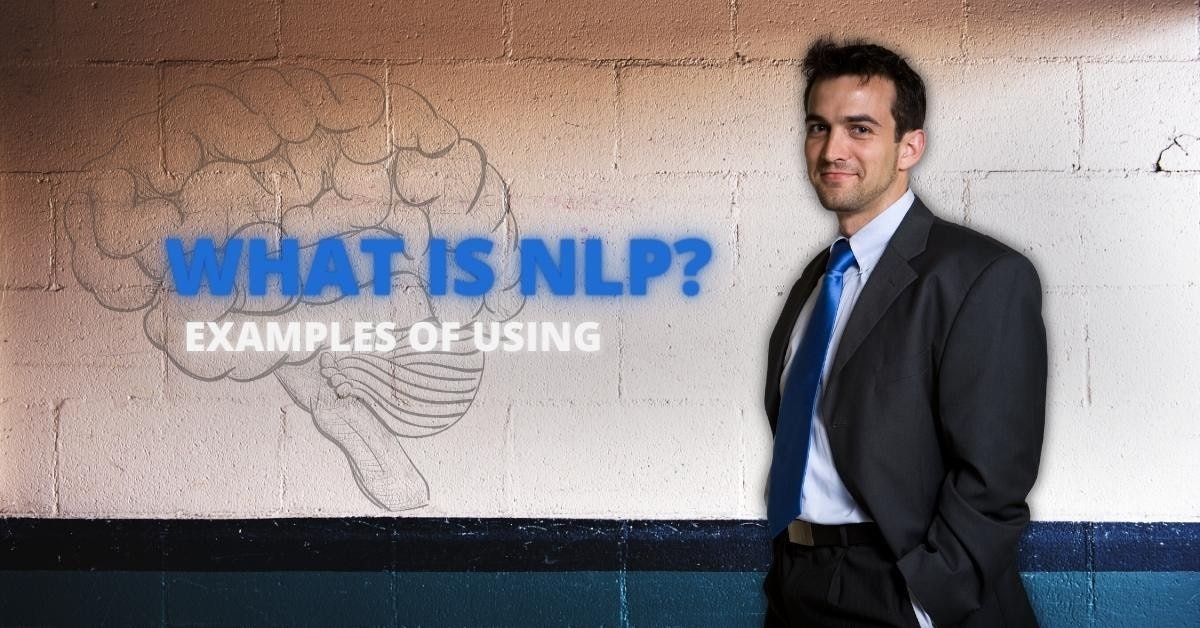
(850, 144)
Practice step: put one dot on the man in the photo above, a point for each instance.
(906, 383)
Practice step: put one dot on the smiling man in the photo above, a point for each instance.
(906, 383)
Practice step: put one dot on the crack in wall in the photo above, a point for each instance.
(1185, 143)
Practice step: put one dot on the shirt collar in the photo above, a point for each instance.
(868, 242)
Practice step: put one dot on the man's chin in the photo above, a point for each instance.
(837, 203)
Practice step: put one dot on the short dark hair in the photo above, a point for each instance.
(826, 59)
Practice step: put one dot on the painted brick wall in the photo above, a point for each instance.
(1067, 128)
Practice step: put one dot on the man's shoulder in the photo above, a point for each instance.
(963, 250)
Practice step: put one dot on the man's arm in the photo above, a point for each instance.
(991, 407)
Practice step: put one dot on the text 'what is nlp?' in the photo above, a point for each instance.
(565, 267)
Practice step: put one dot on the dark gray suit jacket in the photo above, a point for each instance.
(935, 406)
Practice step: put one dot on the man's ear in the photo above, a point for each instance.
(912, 146)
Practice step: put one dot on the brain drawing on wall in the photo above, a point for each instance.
(292, 153)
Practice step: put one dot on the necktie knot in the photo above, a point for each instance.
(841, 258)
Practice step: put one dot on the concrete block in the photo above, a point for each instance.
(65, 327)
(576, 209)
(97, 259)
(1040, 215)
(140, 380)
(784, 30)
(627, 460)
(27, 458)
(781, 226)
(370, 30)
(614, 210)
(757, 445)
(179, 387)
(25, 232)
(1064, 311)
(767, 126)
(26, 31)
(944, 193)
(316, 476)
(1064, 471)
(553, 375)
(709, 119)
(463, 467)
(1068, 482)
(466, 466)
(1138, 215)
(139, 458)
(1134, 112)
(124, 30)
(1126, 462)
(1142, 346)
(302, 128)
(713, 346)
(621, 30)
(63, 344)
(670, 118)
(1001, 116)
(531, 120)
(672, 208)
(1082, 230)
(59, 118)
(1082, 28)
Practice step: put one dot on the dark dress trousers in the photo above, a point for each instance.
(935, 407)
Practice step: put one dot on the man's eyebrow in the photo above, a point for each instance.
(854, 119)
(862, 117)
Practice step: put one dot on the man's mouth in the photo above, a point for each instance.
(836, 175)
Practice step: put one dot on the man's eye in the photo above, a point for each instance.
(816, 128)
(862, 130)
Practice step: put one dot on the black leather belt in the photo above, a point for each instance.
(816, 534)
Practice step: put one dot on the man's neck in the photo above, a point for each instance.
(850, 222)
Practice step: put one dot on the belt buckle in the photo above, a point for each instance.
(800, 532)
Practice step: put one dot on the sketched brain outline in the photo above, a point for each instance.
(291, 153)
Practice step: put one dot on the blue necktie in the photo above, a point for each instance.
(790, 456)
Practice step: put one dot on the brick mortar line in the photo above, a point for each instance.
(1082, 118)
(279, 29)
(781, 175)
(727, 289)
(509, 499)
(618, 116)
(733, 30)
(58, 405)
(965, 7)
(52, 184)
(282, 466)
(735, 59)
(601, 175)
(507, 27)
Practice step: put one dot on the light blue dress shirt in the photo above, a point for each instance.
(824, 498)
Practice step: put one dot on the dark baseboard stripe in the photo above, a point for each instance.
(493, 545)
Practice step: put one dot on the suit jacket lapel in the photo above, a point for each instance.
(891, 275)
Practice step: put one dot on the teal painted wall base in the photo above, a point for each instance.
(1067, 599)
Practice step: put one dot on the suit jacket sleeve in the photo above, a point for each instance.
(991, 399)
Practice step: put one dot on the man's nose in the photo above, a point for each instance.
(835, 148)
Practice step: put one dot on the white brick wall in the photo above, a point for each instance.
(1068, 129)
